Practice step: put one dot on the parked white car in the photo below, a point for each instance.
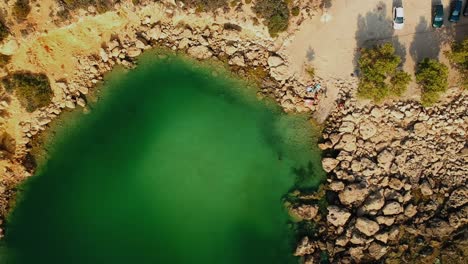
(398, 18)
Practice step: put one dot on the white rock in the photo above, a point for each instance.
(280, 73)
(392, 208)
(103, 55)
(200, 52)
(133, 52)
(366, 226)
(329, 164)
(237, 60)
(337, 216)
(230, 50)
(275, 61)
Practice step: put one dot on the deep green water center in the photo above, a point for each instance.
(172, 166)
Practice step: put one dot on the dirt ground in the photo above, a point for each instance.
(329, 42)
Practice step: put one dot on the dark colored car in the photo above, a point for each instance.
(456, 11)
(438, 19)
(465, 12)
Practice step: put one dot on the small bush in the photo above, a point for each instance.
(459, 57)
(4, 60)
(311, 71)
(432, 77)
(21, 9)
(205, 5)
(399, 81)
(32, 90)
(295, 11)
(3, 31)
(276, 14)
(101, 5)
(379, 75)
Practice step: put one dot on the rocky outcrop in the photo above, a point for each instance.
(396, 173)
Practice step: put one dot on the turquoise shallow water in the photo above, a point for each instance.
(172, 166)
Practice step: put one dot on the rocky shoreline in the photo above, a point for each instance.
(396, 185)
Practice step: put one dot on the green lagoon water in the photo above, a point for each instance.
(172, 166)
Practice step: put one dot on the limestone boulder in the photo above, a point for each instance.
(367, 226)
(329, 164)
(275, 61)
(305, 211)
(377, 251)
(237, 61)
(200, 52)
(374, 202)
(410, 210)
(133, 52)
(357, 253)
(353, 194)
(103, 55)
(385, 159)
(392, 208)
(305, 247)
(347, 142)
(458, 198)
(280, 73)
(337, 216)
(367, 129)
(347, 127)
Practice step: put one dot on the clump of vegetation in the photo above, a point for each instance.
(432, 76)
(295, 11)
(311, 71)
(276, 14)
(459, 57)
(100, 5)
(205, 5)
(3, 31)
(21, 9)
(32, 90)
(379, 75)
(4, 60)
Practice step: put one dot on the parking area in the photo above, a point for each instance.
(329, 42)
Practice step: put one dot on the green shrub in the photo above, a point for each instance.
(459, 57)
(32, 90)
(3, 31)
(276, 14)
(205, 5)
(295, 11)
(459, 54)
(432, 77)
(21, 9)
(101, 5)
(399, 82)
(379, 75)
(311, 71)
(4, 60)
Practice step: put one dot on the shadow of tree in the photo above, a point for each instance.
(375, 28)
(310, 54)
(424, 44)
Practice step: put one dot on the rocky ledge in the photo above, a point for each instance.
(396, 187)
